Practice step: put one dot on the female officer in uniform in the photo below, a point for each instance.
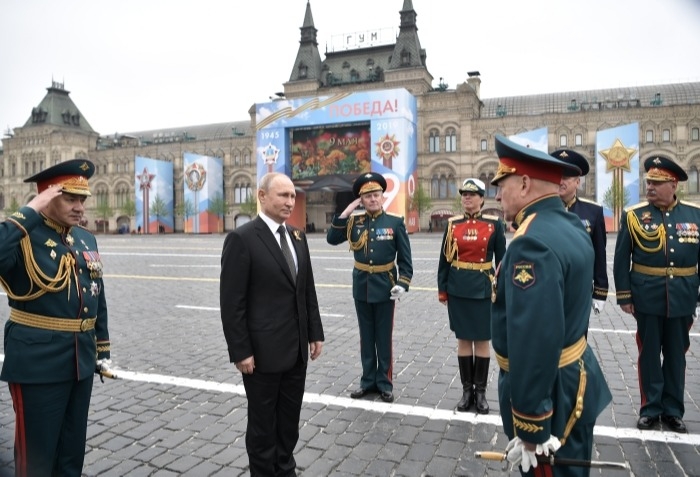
(470, 244)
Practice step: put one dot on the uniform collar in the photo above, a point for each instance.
(475, 215)
(669, 208)
(55, 225)
(569, 204)
(550, 201)
(376, 214)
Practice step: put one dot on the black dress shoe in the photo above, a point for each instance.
(646, 422)
(674, 423)
(387, 396)
(359, 393)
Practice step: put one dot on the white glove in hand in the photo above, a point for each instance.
(697, 311)
(518, 454)
(396, 292)
(598, 306)
(104, 368)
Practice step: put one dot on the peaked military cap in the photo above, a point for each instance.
(572, 157)
(663, 169)
(473, 185)
(369, 182)
(71, 175)
(522, 160)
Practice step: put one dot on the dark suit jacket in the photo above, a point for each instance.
(265, 314)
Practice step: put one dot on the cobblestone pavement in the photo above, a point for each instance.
(179, 408)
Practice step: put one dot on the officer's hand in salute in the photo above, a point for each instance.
(43, 199)
(350, 208)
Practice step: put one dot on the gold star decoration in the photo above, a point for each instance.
(618, 156)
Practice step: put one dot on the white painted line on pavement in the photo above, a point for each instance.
(628, 332)
(216, 308)
(404, 409)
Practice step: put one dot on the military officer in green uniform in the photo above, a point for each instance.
(656, 280)
(471, 244)
(379, 242)
(56, 336)
(551, 388)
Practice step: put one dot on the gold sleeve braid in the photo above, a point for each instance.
(637, 232)
(39, 279)
(361, 241)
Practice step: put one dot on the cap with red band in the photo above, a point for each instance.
(71, 175)
(524, 161)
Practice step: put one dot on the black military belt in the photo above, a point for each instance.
(664, 271)
(471, 265)
(374, 268)
(50, 323)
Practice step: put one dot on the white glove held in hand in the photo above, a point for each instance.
(697, 311)
(518, 454)
(397, 292)
(598, 306)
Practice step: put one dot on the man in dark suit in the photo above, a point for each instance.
(271, 323)
(591, 215)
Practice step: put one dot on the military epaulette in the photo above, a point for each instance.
(491, 217)
(358, 212)
(455, 217)
(522, 228)
(690, 204)
(588, 201)
(394, 215)
(636, 206)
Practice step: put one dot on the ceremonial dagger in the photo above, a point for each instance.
(553, 460)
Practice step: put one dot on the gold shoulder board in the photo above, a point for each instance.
(690, 204)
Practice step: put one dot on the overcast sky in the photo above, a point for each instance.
(138, 65)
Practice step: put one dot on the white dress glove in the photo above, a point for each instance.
(397, 292)
(103, 367)
(518, 454)
(697, 311)
(598, 306)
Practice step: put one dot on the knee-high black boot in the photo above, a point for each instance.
(481, 374)
(466, 375)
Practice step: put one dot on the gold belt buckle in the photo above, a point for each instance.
(84, 325)
(669, 271)
(371, 268)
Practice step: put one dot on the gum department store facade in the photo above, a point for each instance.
(456, 139)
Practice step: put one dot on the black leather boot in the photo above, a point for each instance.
(466, 373)
(481, 374)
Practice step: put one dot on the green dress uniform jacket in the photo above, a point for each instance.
(49, 271)
(656, 257)
(470, 240)
(539, 317)
(378, 240)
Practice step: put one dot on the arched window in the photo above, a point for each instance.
(693, 180)
(434, 141)
(434, 188)
(486, 178)
(451, 140)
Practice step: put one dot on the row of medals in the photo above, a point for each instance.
(687, 233)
